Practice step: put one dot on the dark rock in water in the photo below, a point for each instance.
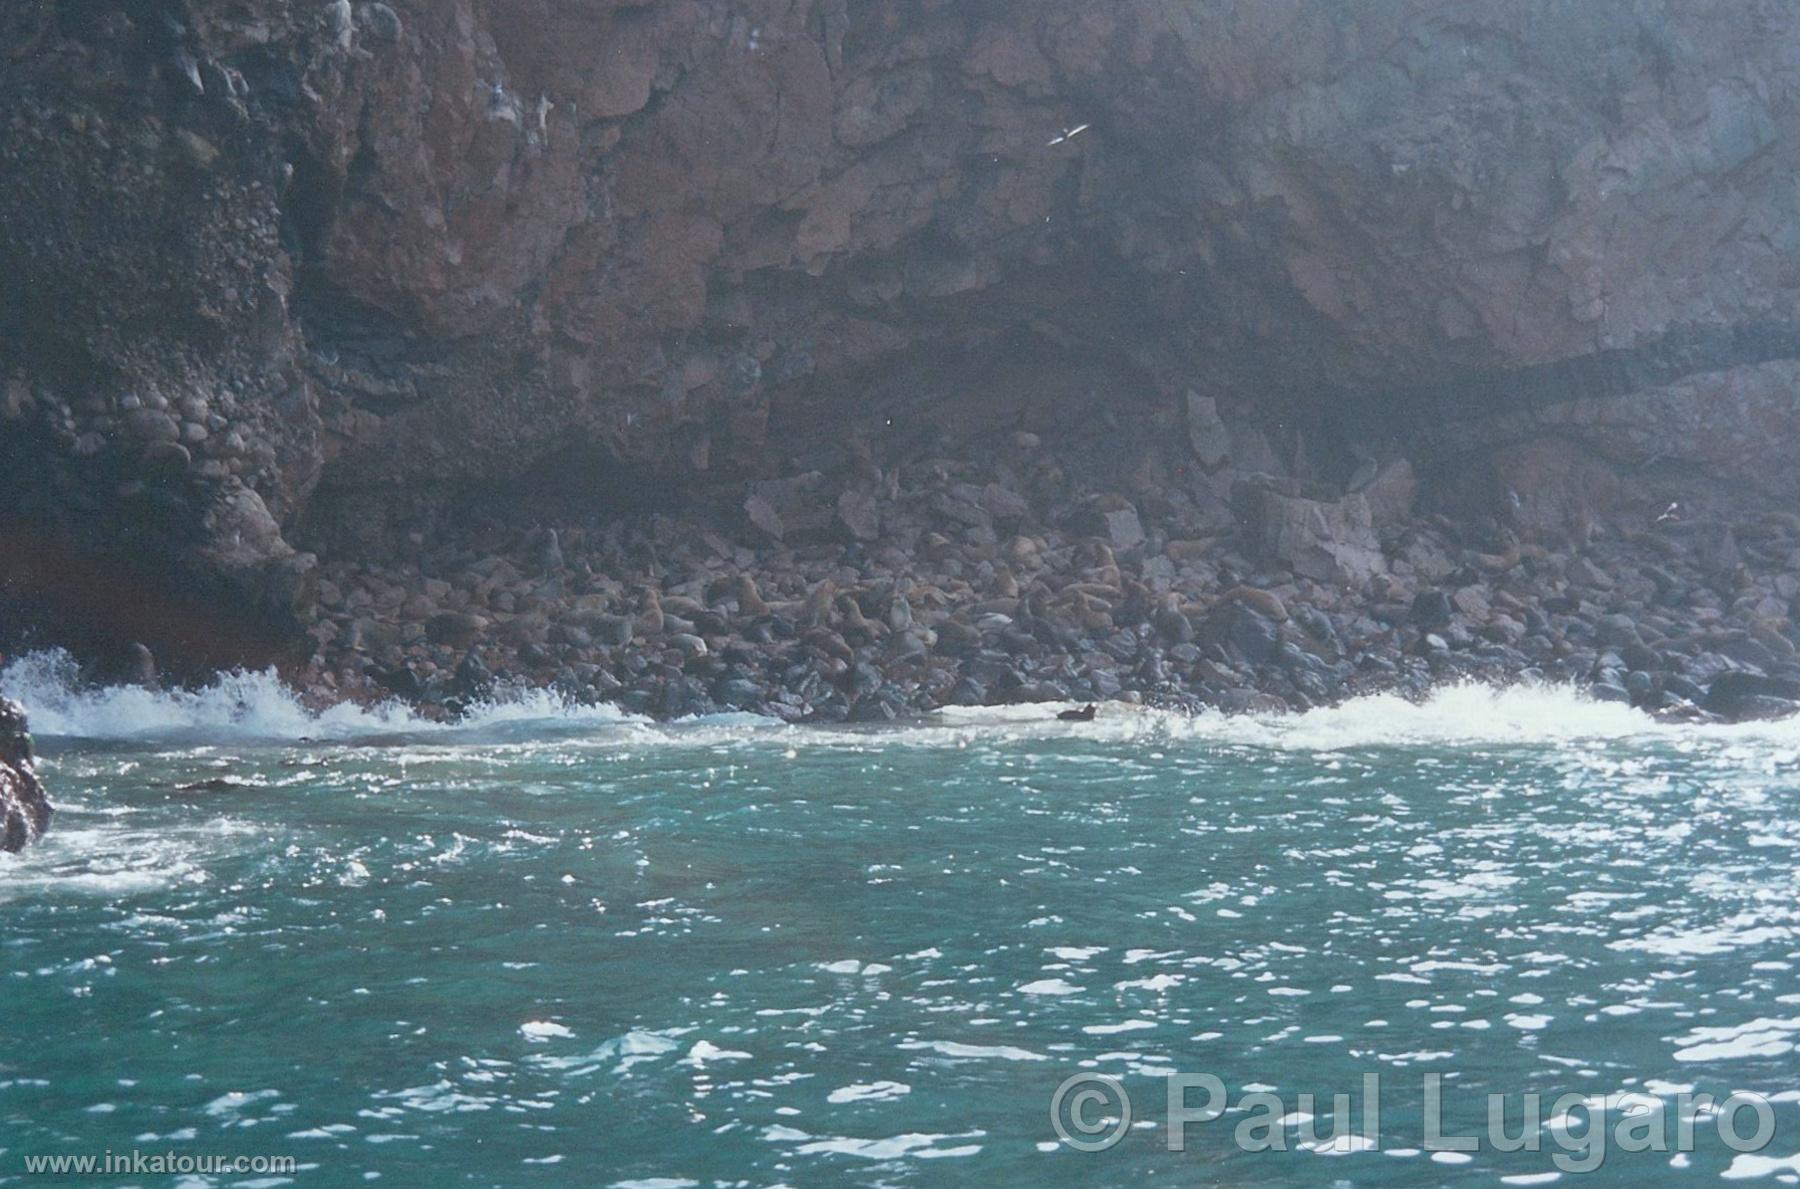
(1606, 691)
(873, 708)
(24, 809)
(216, 784)
(1683, 688)
(132, 665)
(1738, 696)
(1431, 609)
(1749, 652)
(473, 678)
(1761, 708)
(969, 692)
(739, 693)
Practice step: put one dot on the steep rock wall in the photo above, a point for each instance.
(310, 272)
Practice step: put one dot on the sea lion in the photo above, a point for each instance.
(817, 612)
(850, 613)
(749, 599)
(651, 622)
(1085, 714)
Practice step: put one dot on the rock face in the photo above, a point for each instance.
(283, 279)
(24, 809)
(1328, 540)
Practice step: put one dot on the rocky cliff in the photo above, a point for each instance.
(288, 281)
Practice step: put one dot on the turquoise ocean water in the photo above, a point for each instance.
(561, 947)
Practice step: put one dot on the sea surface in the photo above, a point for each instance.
(561, 946)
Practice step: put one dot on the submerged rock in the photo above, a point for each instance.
(24, 809)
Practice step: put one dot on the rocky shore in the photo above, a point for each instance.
(1233, 354)
(24, 808)
(875, 593)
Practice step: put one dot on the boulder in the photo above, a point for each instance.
(1738, 696)
(791, 506)
(1431, 609)
(1234, 627)
(1391, 493)
(1207, 435)
(1327, 540)
(24, 809)
(859, 515)
(1114, 520)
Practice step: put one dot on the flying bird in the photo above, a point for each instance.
(1670, 514)
(1068, 134)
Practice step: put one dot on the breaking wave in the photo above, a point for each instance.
(246, 706)
(249, 706)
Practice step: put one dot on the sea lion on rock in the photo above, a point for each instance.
(749, 599)
(851, 614)
(1260, 601)
(651, 620)
(817, 610)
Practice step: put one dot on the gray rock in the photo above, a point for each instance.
(1391, 493)
(1004, 504)
(763, 515)
(1618, 631)
(550, 554)
(382, 22)
(1738, 695)
(1431, 609)
(1716, 550)
(1208, 437)
(1237, 628)
(860, 515)
(690, 644)
(1585, 573)
(1114, 521)
(792, 505)
(615, 630)
(1325, 540)
(739, 693)
(153, 425)
(167, 456)
(24, 808)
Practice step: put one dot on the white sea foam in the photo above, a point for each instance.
(258, 706)
(1454, 714)
(245, 706)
